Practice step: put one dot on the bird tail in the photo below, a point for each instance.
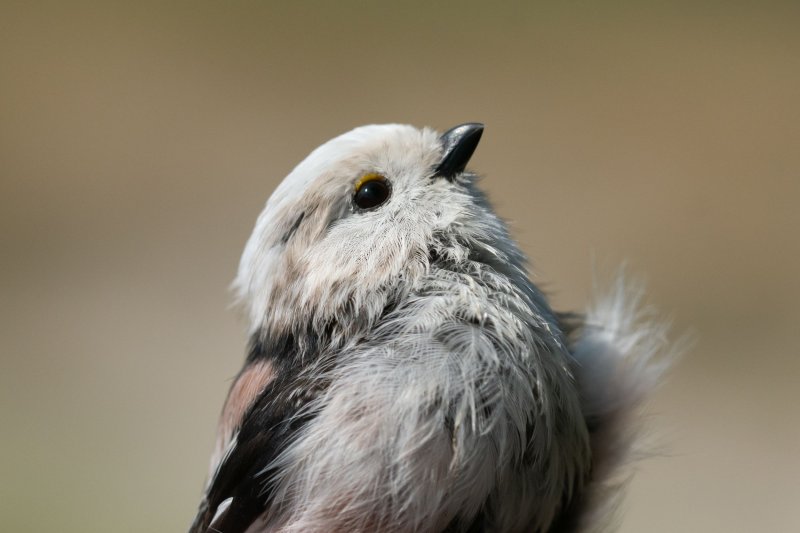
(621, 353)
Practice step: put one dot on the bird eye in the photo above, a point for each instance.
(371, 191)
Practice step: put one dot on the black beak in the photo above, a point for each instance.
(458, 145)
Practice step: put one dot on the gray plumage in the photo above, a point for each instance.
(422, 381)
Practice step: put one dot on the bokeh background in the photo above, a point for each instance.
(139, 140)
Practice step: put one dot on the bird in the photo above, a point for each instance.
(404, 373)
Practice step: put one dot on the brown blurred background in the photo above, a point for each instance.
(138, 143)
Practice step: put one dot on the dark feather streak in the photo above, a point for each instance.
(293, 229)
(268, 426)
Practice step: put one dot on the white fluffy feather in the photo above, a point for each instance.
(448, 388)
(621, 354)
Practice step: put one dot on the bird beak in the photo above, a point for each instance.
(458, 145)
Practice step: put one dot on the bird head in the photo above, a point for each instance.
(358, 222)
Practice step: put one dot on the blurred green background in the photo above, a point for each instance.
(139, 140)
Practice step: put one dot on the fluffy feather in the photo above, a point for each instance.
(621, 352)
(418, 380)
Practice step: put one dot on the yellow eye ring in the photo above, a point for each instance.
(371, 190)
(372, 176)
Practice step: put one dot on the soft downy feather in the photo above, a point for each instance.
(421, 381)
(376, 458)
(621, 352)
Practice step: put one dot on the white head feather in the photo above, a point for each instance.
(334, 253)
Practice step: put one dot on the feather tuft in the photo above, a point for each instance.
(621, 354)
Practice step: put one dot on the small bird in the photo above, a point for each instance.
(404, 374)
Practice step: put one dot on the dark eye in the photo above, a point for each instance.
(371, 191)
